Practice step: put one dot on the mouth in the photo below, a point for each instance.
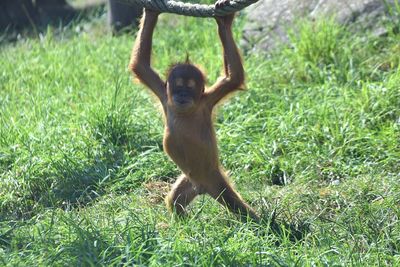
(182, 101)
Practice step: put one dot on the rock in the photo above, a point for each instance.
(269, 20)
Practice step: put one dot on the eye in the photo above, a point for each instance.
(179, 82)
(191, 83)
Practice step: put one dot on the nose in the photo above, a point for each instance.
(183, 93)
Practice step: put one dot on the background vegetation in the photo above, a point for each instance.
(314, 140)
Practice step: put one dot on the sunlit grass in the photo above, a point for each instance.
(314, 139)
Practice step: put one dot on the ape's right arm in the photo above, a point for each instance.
(141, 53)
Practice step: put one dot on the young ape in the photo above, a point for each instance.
(189, 137)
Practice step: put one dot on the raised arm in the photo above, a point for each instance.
(141, 53)
(234, 73)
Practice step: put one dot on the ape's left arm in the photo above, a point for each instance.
(234, 72)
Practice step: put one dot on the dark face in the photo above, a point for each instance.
(185, 85)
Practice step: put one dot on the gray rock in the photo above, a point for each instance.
(269, 20)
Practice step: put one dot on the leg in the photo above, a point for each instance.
(181, 194)
(220, 189)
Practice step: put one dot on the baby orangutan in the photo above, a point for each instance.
(189, 137)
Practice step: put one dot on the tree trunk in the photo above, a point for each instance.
(17, 13)
(121, 15)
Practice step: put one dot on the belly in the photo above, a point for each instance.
(194, 154)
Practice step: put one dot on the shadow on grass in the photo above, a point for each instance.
(88, 246)
(79, 173)
(78, 183)
(134, 244)
(292, 229)
(119, 135)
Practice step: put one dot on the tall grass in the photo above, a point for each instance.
(314, 140)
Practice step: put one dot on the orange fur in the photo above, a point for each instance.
(189, 136)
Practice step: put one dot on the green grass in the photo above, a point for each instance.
(314, 139)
